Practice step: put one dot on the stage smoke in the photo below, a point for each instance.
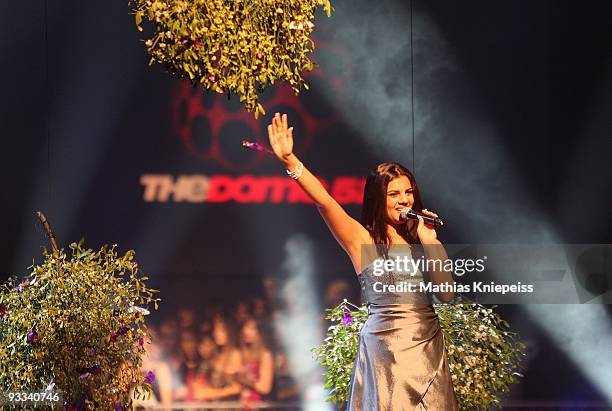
(300, 325)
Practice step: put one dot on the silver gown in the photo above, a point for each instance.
(401, 364)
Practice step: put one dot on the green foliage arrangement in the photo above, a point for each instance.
(235, 46)
(484, 357)
(339, 349)
(76, 321)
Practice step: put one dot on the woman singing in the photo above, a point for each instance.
(401, 364)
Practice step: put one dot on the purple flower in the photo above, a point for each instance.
(118, 406)
(123, 330)
(18, 289)
(141, 342)
(347, 319)
(2, 311)
(149, 378)
(33, 337)
(95, 370)
(114, 337)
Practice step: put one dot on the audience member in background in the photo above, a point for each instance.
(207, 350)
(186, 319)
(222, 383)
(285, 387)
(242, 312)
(209, 312)
(273, 301)
(257, 367)
(205, 327)
(153, 360)
(261, 314)
(336, 292)
(189, 362)
(169, 345)
(168, 332)
(260, 309)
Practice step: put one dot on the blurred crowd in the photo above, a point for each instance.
(225, 352)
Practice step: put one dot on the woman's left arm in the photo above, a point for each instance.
(263, 384)
(434, 251)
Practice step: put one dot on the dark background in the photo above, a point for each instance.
(511, 142)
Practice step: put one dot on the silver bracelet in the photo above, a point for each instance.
(297, 173)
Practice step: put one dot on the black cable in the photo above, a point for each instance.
(412, 87)
(47, 101)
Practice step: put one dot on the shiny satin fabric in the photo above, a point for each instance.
(401, 364)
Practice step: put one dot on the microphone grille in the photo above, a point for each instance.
(405, 213)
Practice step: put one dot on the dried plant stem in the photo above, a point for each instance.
(43, 219)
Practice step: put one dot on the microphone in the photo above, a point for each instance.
(407, 213)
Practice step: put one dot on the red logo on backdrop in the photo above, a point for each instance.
(188, 106)
(199, 188)
(208, 124)
(212, 128)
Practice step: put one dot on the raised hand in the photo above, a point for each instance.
(281, 137)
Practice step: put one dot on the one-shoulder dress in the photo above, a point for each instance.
(401, 364)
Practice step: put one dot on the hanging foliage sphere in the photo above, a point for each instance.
(232, 46)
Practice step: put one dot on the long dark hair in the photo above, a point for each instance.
(253, 350)
(374, 210)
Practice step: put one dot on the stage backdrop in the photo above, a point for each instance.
(500, 110)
